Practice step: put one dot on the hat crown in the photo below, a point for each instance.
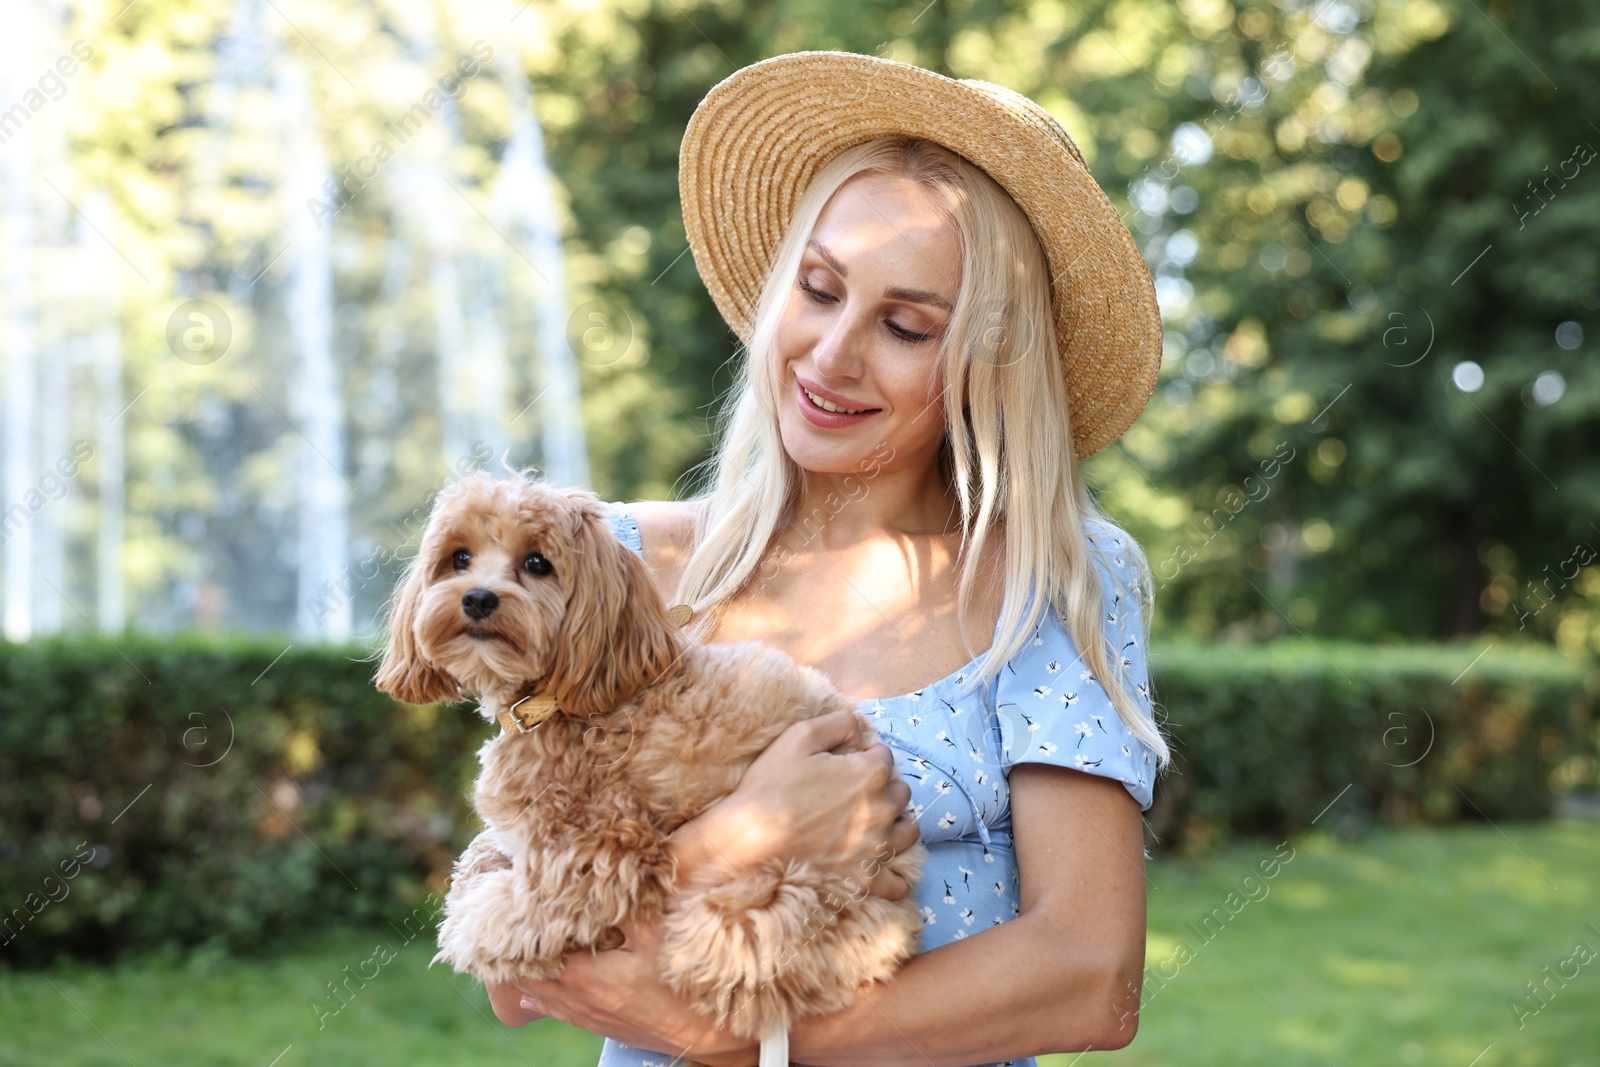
(1028, 108)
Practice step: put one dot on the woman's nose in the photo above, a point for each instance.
(838, 353)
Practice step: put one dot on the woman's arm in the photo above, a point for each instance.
(802, 797)
(1064, 976)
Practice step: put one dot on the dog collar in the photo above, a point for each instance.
(527, 714)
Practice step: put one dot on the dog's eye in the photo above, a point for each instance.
(537, 565)
(462, 559)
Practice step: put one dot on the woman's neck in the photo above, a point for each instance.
(846, 509)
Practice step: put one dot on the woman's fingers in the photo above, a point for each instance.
(877, 765)
(821, 793)
(888, 885)
(885, 883)
(904, 834)
(507, 1001)
(825, 733)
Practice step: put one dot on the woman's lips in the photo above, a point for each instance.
(828, 420)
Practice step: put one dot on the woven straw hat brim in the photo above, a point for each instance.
(761, 135)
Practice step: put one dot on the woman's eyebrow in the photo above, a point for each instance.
(918, 296)
(894, 292)
(827, 257)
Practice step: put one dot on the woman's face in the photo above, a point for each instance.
(862, 327)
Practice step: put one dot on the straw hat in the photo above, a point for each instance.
(760, 136)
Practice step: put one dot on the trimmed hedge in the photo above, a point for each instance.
(228, 792)
(228, 799)
(1267, 738)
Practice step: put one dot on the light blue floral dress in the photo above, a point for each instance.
(955, 749)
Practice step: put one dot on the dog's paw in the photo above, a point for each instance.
(480, 857)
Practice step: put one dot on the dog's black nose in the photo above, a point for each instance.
(479, 604)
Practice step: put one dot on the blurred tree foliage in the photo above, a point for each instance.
(1311, 184)
(1342, 201)
(1365, 227)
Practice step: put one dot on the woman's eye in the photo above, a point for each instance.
(905, 334)
(895, 328)
(462, 559)
(537, 565)
(817, 294)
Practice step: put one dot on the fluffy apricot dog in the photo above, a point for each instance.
(616, 730)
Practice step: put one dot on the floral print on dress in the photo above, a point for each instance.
(955, 748)
(1083, 730)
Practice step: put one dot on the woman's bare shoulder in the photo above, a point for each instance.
(666, 532)
(664, 524)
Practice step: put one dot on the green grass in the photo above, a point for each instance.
(1400, 947)
(223, 1012)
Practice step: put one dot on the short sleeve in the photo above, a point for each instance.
(1052, 708)
(624, 526)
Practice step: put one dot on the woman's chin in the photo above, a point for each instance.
(853, 463)
(851, 453)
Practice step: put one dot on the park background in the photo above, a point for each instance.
(272, 272)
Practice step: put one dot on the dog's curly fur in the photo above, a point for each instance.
(652, 729)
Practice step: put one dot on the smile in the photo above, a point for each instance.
(827, 406)
(828, 414)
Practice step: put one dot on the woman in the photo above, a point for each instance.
(932, 349)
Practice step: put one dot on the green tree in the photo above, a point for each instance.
(1364, 233)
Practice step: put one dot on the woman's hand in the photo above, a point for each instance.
(617, 994)
(817, 793)
(506, 1000)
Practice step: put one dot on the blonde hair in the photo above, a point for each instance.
(1008, 452)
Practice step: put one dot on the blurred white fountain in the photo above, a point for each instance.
(524, 197)
(467, 358)
(429, 195)
(315, 396)
(16, 255)
(486, 255)
(471, 294)
(57, 347)
(482, 298)
(105, 352)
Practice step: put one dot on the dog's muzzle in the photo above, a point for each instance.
(479, 604)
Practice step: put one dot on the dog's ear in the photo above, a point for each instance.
(616, 637)
(404, 673)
